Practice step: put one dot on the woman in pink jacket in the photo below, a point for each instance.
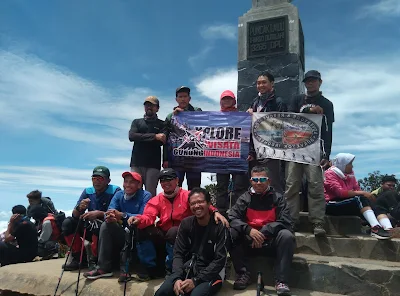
(345, 198)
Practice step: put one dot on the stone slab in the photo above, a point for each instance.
(360, 246)
(40, 278)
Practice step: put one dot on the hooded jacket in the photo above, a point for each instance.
(253, 210)
(337, 183)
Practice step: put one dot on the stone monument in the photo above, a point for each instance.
(270, 39)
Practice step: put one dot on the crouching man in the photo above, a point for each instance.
(199, 253)
(260, 220)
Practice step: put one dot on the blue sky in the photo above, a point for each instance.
(73, 74)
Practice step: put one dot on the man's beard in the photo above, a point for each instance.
(149, 113)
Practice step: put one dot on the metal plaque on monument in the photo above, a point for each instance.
(270, 39)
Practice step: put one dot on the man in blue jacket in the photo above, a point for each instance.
(127, 203)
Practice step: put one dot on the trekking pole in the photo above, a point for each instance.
(189, 269)
(80, 260)
(67, 257)
(260, 283)
(230, 189)
(127, 255)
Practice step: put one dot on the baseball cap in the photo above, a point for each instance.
(101, 171)
(167, 174)
(312, 74)
(135, 176)
(228, 93)
(153, 100)
(182, 89)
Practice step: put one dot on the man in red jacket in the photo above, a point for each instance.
(171, 206)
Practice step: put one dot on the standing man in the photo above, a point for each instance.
(148, 136)
(183, 98)
(267, 101)
(203, 242)
(95, 200)
(240, 181)
(312, 102)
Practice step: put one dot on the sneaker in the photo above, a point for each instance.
(73, 265)
(142, 277)
(282, 289)
(124, 277)
(96, 274)
(242, 281)
(379, 233)
(319, 229)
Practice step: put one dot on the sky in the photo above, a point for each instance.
(74, 74)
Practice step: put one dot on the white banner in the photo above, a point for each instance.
(287, 136)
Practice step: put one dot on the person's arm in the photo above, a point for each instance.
(135, 136)
(150, 213)
(181, 249)
(46, 232)
(146, 197)
(8, 235)
(75, 212)
(115, 202)
(333, 185)
(214, 268)
(283, 218)
(237, 215)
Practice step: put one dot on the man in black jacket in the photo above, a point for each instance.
(312, 102)
(260, 220)
(199, 252)
(267, 101)
(148, 136)
(35, 198)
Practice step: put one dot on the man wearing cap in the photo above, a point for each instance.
(171, 206)
(183, 98)
(267, 101)
(312, 102)
(95, 200)
(148, 136)
(126, 203)
(240, 182)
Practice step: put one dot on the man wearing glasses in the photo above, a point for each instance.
(261, 221)
(95, 200)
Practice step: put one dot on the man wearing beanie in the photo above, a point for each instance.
(148, 136)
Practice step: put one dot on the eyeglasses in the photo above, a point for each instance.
(261, 180)
(97, 178)
(199, 202)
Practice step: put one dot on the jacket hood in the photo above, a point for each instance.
(342, 159)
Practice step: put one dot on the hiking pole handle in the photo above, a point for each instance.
(188, 270)
(260, 283)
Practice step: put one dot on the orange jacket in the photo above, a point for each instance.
(55, 235)
(171, 212)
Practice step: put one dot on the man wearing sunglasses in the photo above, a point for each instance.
(261, 221)
(171, 206)
(95, 200)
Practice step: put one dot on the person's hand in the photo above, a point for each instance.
(165, 164)
(317, 110)
(256, 245)
(250, 158)
(15, 218)
(161, 137)
(110, 218)
(177, 110)
(92, 215)
(187, 285)
(84, 204)
(250, 110)
(133, 220)
(178, 287)
(257, 237)
(369, 195)
(324, 164)
(117, 214)
(218, 217)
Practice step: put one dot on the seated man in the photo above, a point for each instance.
(96, 200)
(344, 197)
(388, 183)
(171, 206)
(24, 232)
(49, 232)
(199, 252)
(35, 198)
(261, 220)
(387, 206)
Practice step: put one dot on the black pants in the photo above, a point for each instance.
(203, 289)
(240, 185)
(282, 246)
(111, 242)
(10, 254)
(193, 179)
(347, 207)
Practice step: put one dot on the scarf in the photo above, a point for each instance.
(129, 197)
(263, 100)
(173, 194)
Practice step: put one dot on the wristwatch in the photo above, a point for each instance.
(124, 216)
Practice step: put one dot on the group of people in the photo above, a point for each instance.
(179, 233)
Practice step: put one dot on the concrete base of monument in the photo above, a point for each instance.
(40, 278)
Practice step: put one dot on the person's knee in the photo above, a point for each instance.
(68, 226)
(286, 236)
(171, 234)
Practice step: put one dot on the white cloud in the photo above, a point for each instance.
(382, 8)
(123, 161)
(223, 31)
(213, 84)
(199, 57)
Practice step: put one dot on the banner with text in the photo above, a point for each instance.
(214, 142)
(287, 136)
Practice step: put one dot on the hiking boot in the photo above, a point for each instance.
(143, 277)
(379, 233)
(319, 229)
(282, 289)
(96, 274)
(124, 277)
(73, 265)
(242, 281)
